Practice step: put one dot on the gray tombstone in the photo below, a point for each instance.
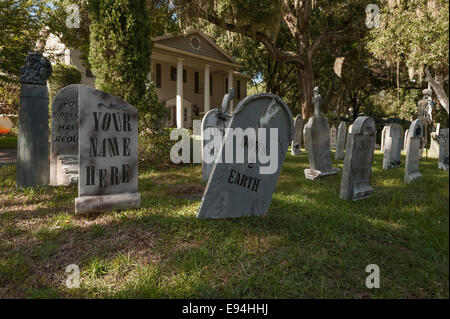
(304, 138)
(413, 141)
(405, 139)
(317, 133)
(341, 139)
(333, 137)
(383, 136)
(216, 120)
(392, 146)
(434, 145)
(32, 167)
(298, 135)
(242, 188)
(357, 171)
(64, 137)
(443, 149)
(108, 153)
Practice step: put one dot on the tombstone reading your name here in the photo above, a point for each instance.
(341, 139)
(392, 146)
(298, 135)
(357, 171)
(108, 160)
(64, 137)
(413, 141)
(244, 185)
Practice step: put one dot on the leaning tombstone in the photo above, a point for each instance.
(357, 171)
(298, 135)
(64, 137)
(392, 146)
(383, 137)
(108, 153)
(333, 136)
(443, 149)
(341, 139)
(32, 167)
(213, 130)
(244, 184)
(318, 137)
(412, 151)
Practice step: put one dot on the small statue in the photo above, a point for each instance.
(316, 101)
(37, 69)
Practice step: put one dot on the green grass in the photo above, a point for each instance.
(311, 244)
(8, 142)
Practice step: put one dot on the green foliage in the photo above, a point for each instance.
(9, 98)
(62, 76)
(154, 149)
(8, 142)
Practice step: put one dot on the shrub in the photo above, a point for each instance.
(62, 76)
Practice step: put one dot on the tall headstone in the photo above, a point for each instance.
(333, 137)
(405, 139)
(383, 137)
(443, 149)
(32, 167)
(245, 187)
(216, 120)
(357, 171)
(434, 143)
(413, 141)
(298, 135)
(392, 146)
(64, 137)
(341, 139)
(108, 153)
(318, 137)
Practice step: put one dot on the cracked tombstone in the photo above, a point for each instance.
(341, 139)
(443, 149)
(392, 146)
(333, 136)
(318, 140)
(64, 137)
(413, 141)
(213, 130)
(357, 171)
(245, 183)
(298, 135)
(108, 153)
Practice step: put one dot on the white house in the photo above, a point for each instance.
(190, 71)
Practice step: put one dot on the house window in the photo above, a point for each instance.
(226, 85)
(158, 75)
(173, 74)
(238, 89)
(210, 85)
(197, 83)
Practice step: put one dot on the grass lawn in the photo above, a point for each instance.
(311, 244)
(8, 142)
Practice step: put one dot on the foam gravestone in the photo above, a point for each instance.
(341, 139)
(443, 149)
(298, 135)
(64, 137)
(392, 146)
(108, 161)
(413, 142)
(357, 171)
(333, 137)
(245, 187)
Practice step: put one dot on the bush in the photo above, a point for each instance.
(62, 76)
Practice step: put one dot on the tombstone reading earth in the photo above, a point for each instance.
(443, 149)
(245, 187)
(413, 141)
(341, 140)
(108, 153)
(392, 146)
(298, 135)
(216, 120)
(357, 171)
(318, 139)
(64, 137)
(333, 136)
(32, 167)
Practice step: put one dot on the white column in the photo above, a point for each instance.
(180, 122)
(207, 88)
(230, 86)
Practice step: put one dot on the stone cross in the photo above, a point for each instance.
(415, 135)
(298, 135)
(357, 171)
(341, 139)
(392, 146)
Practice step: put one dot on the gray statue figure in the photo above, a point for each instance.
(36, 70)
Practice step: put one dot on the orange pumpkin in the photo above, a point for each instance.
(5, 125)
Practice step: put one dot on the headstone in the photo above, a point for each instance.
(304, 138)
(341, 139)
(350, 128)
(108, 153)
(405, 139)
(434, 145)
(318, 137)
(443, 149)
(32, 167)
(357, 171)
(333, 136)
(298, 135)
(392, 146)
(216, 120)
(412, 151)
(383, 137)
(64, 137)
(243, 189)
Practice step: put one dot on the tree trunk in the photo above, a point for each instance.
(306, 80)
